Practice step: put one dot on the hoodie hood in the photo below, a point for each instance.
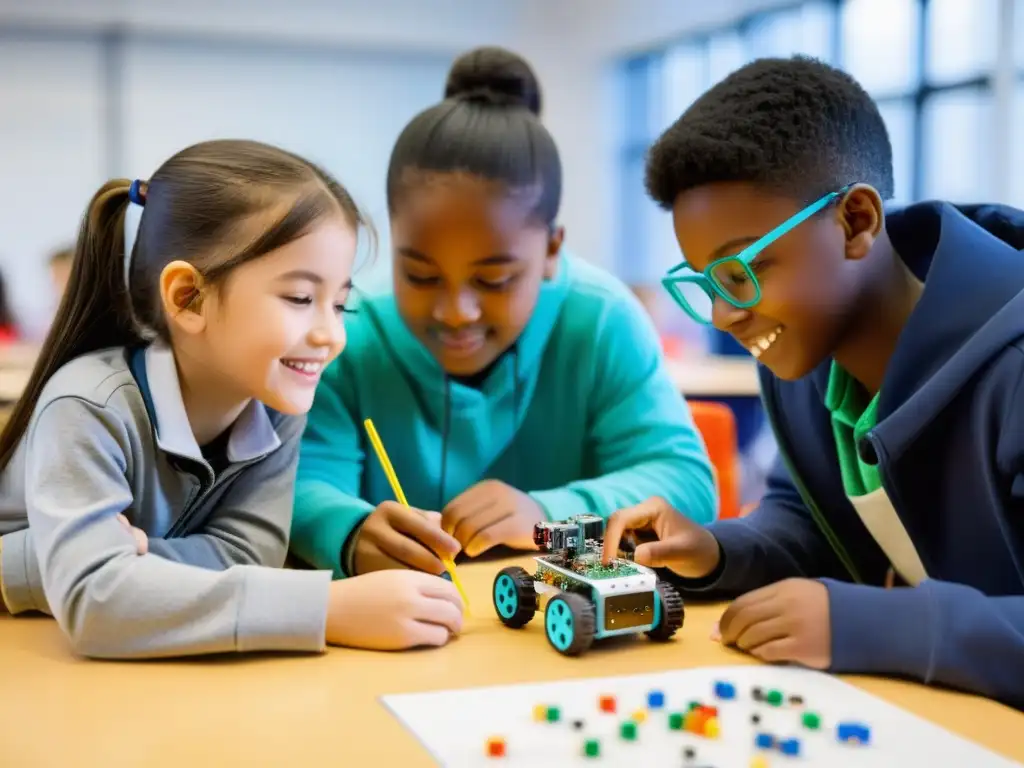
(972, 307)
(476, 423)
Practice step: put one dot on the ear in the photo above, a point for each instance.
(862, 219)
(181, 295)
(554, 249)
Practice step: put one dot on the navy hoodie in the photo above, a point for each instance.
(949, 443)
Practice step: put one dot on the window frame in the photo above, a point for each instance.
(918, 95)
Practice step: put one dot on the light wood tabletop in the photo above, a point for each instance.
(324, 710)
(712, 376)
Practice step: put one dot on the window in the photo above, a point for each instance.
(898, 115)
(881, 56)
(928, 64)
(957, 128)
(961, 39)
(1017, 150)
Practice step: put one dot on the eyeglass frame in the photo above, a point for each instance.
(706, 279)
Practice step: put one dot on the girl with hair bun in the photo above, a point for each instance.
(512, 382)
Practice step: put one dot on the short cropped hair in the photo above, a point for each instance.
(793, 125)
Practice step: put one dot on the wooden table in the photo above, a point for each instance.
(715, 376)
(324, 710)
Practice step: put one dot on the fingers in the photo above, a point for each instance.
(441, 589)
(141, 541)
(762, 632)
(440, 612)
(421, 633)
(489, 528)
(461, 517)
(424, 529)
(631, 518)
(660, 554)
(745, 611)
(777, 651)
(408, 552)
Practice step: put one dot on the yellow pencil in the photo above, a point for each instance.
(389, 470)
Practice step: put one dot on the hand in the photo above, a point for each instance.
(392, 610)
(396, 536)
(492, 513)
(785, 622)
(681, 545)
(141, 539)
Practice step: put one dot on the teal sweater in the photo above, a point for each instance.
(580, 413)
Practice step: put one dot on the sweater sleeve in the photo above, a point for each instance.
(641, 436)
(328, 509)
(112, 602)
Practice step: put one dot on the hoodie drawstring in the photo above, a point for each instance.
(446, 426)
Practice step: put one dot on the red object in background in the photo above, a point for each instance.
(8, 334)
(717, 425)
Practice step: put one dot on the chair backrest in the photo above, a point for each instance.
(717, 426)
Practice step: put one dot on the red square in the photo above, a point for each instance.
(495, 747)
(606, 703)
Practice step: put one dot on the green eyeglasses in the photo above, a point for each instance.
(731, 277)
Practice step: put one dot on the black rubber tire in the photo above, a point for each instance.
(584, 621)
(524, 595)
(672, 613)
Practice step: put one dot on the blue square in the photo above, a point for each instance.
(789, 747)
(655, 700)
(725, 690)
(764, 741)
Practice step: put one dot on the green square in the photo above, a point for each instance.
(774, 698)
(693, 705)
(553, 714)
(811, 721)
(628, 730)
(591, 748)
(676, 720)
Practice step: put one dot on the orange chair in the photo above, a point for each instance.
(717, 425)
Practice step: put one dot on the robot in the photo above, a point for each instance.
(587, 600)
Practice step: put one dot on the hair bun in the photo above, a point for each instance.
(492, 75)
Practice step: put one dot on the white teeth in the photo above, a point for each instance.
(761, 345)
(305, 367)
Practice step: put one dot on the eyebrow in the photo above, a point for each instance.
(495, 260)
(313, 277)
(736, 242)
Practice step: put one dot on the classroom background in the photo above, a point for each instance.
(92, 89)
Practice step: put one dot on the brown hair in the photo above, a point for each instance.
(199, 205)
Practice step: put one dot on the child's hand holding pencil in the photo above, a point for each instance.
(397, 536)
(403, 521)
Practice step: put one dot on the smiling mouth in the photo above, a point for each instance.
(762, 344)
(305, 367)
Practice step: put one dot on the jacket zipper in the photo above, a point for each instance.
(808, 500)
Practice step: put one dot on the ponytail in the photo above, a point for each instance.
(95, 311)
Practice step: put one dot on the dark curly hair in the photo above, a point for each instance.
(796, 126)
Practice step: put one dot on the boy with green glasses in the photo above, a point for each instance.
(891, 357)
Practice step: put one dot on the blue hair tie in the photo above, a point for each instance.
(136, 194)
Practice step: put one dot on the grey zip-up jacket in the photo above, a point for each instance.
(110, 436)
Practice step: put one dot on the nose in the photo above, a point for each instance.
(724, 315)
(456, 308)
(328, 331)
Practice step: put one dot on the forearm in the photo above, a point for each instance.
(323, 521)
(130, 606)
(938, 632)
(212, 551)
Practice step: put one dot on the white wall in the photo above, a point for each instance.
(335, 79)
